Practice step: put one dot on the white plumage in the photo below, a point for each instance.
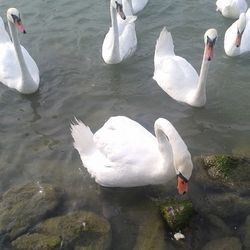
(176, 76)
(124, 154)
(231, 8)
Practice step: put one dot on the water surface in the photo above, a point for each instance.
(65, 39)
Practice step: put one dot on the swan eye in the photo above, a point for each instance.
(118, 6)
(211, 42)
(16, 19)
(184, 180)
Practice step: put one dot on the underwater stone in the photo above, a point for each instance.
(227, 243)
(79, 230)
(228, 169)
(37, 241)
(22, 207)
(177, 213)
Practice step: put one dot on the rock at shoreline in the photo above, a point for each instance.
(227, 243)
(228, 169)
(22, 207)
(177, 213)
(79, 230)
(220, 185)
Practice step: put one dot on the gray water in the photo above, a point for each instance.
(65, 39)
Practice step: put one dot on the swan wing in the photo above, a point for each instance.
(245, 46)
(138, 5)
(164, 46)
(123, 140)
(10, 72)
(31, 65)
(4, 36)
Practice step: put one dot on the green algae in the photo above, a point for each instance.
(22, 207)
(37, 241)
(82, 229)
(228, 168)
(177, 213)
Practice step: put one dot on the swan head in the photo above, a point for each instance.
(13, 16)
(117, 4)
(210, 38)
(241, 24)
(184, 172)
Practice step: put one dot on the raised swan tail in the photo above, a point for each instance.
(83, 137)
(164, 45)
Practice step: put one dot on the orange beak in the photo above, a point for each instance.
(20, 27)
(182, 185)
(209, 52)
(238, 40)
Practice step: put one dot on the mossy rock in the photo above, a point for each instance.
(228, 169)
(22, 207)
(37, 241)
(79, 230)
(177, 213)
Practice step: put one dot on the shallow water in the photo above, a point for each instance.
(65, 38)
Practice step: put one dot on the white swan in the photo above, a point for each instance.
(137, 5)
(121, 41)
(124, 154)
(17, 68)
(176, 76)
(231, 8)
(237, 36)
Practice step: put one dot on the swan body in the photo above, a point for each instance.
(176, 76)
(120, 42)
(231, 8)
(17, 68)
(124, 154)
(237, 36)
(138, 5)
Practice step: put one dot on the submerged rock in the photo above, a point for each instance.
(227, 243)
(245, 233)
(228, 169)
(79, 230)
(220, 185)
(23, 206)
(177, 213)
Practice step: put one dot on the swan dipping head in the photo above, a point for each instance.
(210, 38)
(13, 15)
(119, 8)
(241, 24)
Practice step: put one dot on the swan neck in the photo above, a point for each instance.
(165, 137)
(173, 148)
(115, 30)
(200, 94)
(26, 77)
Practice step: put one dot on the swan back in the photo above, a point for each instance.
(231, 8)
(138, 5)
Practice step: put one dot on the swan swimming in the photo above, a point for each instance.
(231, 8)
(124, 154)
(176, 76)
(120, 42)
(17, 68)
(237, 36)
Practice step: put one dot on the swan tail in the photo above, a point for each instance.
(83, 137)
(164, 44)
